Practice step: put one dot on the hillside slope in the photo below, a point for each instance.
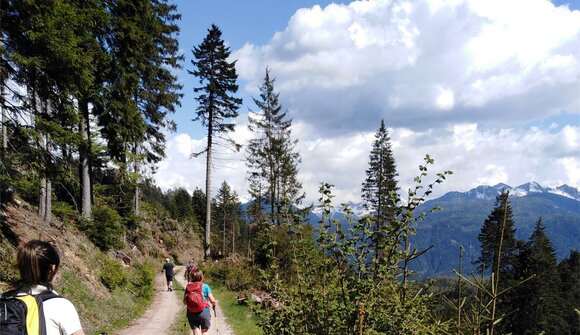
(100, 284)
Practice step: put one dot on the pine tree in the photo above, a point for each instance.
(199, 208)
(569, 270)
(498, 229)
(535, 306)
(271, 155)
(379, 190)
(180, 204)
(216, 104)
(143, 88)
(498, 252)
(227, 219)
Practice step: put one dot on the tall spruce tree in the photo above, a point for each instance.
(143, 90)
(271, 155)
(379, 190)
(498, 229)
(216, 104)
(498, 252)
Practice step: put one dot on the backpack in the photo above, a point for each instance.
(21, 313)
(193, 298)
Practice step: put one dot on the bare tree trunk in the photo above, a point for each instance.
(234, 222)
(207, 249)
(84, 160)
(43, 146)
(48, 203)
(42, 197)
(224, 228)
(4, 119)
(4, 141)
(136, 170)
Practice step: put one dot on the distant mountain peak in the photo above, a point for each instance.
(486, 192)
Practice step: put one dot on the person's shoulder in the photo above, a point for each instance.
(59, 303)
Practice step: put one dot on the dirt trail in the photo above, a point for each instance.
(165, 307)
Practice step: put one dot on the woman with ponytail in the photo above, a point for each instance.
(38, 262)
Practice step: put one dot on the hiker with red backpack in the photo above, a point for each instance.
(198, 299)
(190, 267)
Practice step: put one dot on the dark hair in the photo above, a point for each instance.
(196, 275)
(35, 260)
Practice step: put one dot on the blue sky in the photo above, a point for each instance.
(489, 90)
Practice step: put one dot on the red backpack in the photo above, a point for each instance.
(193, 298)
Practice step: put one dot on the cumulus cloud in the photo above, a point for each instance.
(422, 63)
(488, 88)
(476, 157)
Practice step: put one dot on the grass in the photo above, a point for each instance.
(240, 318)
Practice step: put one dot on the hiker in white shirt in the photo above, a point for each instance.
(38, 262)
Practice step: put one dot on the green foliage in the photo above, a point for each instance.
(180, 204)
(227, 221)
(113, 274)
(9, 271)
(343, 281)
(105, 229)
(234, 273)
(142, 279)
(498, 229)
(64, 211)
(569, 270)
(540, 296)
(379, 189)
(271, 155)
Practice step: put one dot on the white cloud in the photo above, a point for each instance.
(475, 156)
(460, 80)
(445, 99)
(489, 60)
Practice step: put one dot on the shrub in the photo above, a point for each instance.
(113, 275)
(142, 280)
(105, 229)
(235, 273)
(9, 271)
(64, 211)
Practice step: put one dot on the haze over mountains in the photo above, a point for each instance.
(463, 213)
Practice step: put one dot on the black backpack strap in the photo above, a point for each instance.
(40, 299)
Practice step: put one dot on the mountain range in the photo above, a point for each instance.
(463, 214)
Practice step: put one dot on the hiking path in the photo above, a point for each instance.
(165, 308)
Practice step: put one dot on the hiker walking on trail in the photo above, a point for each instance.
(189, 268)
(169, 273)
(34, 305)
(198, 299)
